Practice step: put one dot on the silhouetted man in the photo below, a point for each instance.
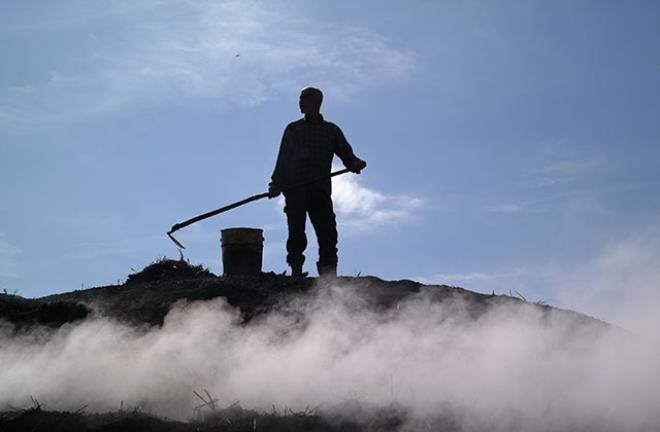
(306, 152)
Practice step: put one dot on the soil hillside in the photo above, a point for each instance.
(147, 295)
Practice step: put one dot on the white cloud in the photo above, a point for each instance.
(8, 259)
(443, 278)
(454, 277)
(157, 56)
(361, 208)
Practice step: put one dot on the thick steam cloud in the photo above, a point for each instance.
(516, 367)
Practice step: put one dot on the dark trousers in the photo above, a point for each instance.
(318, 204)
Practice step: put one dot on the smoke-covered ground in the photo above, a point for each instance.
(516, 366)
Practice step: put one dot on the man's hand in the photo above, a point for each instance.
(357, 166)
(273, 191)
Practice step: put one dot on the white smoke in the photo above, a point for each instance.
(516, 367)
(621, 283)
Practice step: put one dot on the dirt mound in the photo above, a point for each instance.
(39, 420)
(143, 301)
(148, 295)
(26, 312)
(349, 417)
(168, 270)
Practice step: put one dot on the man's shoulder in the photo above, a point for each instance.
(300, 123)
(331, 125)
(295, 124)
(334, 129)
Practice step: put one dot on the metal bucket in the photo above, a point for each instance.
(242, 250)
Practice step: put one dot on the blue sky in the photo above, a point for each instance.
(512, 145)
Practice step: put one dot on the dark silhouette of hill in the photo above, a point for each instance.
(353, 418)
(147, 296)
(25, 312)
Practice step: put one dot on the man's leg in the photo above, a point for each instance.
(323, 219)
(296, 217)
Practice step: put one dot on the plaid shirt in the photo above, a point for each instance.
(306, 153)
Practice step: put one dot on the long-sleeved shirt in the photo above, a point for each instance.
(306, 153)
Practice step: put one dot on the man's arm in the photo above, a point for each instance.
(280, 173)
(345, 152)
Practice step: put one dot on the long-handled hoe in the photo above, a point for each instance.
(191, 221)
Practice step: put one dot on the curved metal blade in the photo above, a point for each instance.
(179, 245)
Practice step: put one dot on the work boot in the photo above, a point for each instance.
(296, 271)
(327, 269)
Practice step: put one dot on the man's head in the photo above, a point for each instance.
(310, 100)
